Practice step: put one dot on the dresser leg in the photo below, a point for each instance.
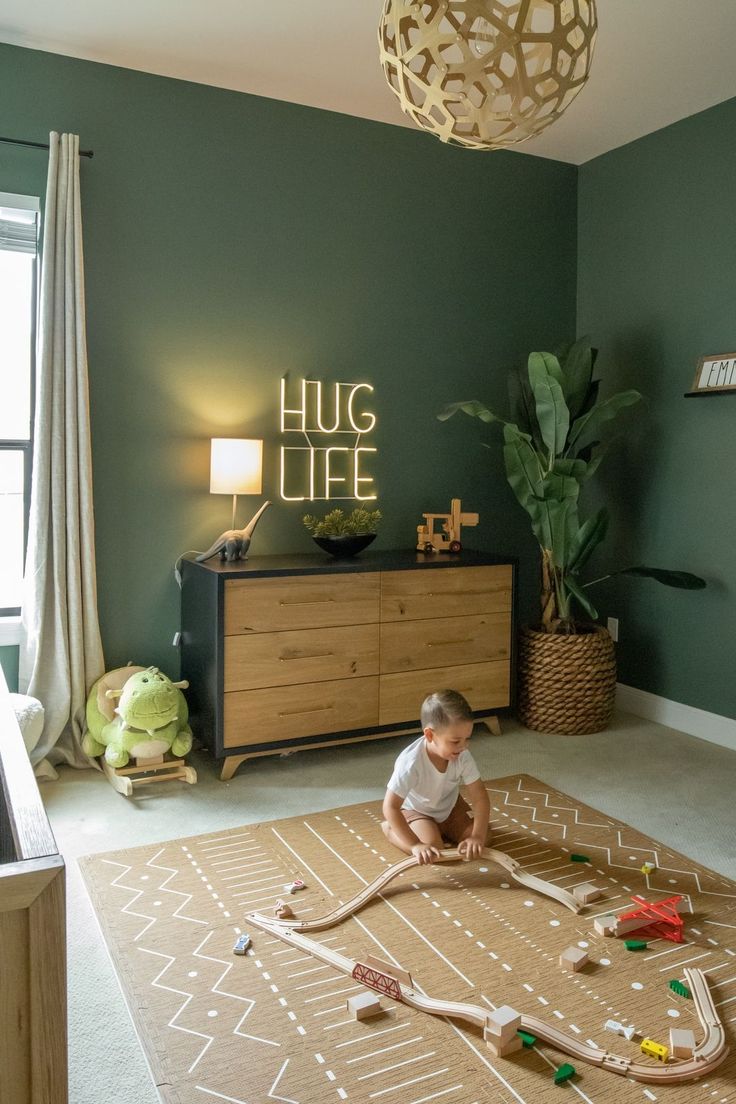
(230, 765)
(492, 722)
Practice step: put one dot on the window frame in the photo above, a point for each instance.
(31, 203)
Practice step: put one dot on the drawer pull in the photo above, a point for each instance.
(304, 655)
(308, 602)
(300, 712)
(444, 643)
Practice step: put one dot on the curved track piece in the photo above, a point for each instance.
(500, 858)
(709, 1054)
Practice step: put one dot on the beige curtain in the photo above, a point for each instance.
(61, 652)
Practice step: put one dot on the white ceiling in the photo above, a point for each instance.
(656, 61)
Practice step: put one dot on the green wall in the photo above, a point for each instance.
(657, 289)
(230, 240)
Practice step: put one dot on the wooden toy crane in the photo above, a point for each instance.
(448, 540)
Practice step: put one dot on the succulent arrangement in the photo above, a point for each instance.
(339, 524)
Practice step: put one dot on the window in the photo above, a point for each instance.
(18, 256)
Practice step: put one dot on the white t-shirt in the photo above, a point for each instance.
(424, 788)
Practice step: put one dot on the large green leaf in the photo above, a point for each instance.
(589, 424)
(589, 536)
(553, 367)
(472, 407)
(683, 580)
(591, 398)
(578, 369)
(521, 405)
(581, 596)
(562, 351)
(552, 413)
(563, 516)
(524, 466)
(525, 478)
(559, 487)
(577, 468)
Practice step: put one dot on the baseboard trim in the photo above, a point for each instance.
(685, 718)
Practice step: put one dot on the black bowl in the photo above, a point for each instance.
(345, 546)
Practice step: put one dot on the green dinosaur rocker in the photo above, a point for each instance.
(150, 717)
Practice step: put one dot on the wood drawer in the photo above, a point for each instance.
(289, 712)
(444, 642)
(305, 655)
(485, 685)
(300, 602)
(445, 592)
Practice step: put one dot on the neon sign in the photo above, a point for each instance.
(330, 469)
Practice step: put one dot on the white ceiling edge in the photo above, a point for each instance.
(655, 62)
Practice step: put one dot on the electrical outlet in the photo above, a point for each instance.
(612, 626)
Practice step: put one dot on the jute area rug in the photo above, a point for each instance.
(273, 1025)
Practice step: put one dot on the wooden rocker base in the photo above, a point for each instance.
(124, 779)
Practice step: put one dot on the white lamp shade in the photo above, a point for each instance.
(236, 466)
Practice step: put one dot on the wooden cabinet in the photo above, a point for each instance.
(285, 652)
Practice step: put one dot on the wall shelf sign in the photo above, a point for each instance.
(715, 375)
(331, 459)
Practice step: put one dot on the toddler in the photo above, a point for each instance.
(422, 805)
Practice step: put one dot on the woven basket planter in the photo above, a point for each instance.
(566, 684)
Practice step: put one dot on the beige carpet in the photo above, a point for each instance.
(272, 1025)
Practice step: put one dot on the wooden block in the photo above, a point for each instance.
(605, 925)
(502, 1025)
(502, 1049)
(573, 958)
(622, 927)
(364, 1006)
(283, 911)
(682, 1042)
(586, 893)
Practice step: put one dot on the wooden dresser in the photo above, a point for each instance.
(289, 652)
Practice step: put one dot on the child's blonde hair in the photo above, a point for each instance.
(439, 710)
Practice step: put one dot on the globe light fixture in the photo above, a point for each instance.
(485, 74)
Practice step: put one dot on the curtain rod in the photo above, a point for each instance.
(40, 145)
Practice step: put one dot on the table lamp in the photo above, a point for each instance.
(236, 467)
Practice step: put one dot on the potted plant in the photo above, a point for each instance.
(343, 534)
(551, 448)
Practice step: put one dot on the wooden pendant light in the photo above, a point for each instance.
(485, 74)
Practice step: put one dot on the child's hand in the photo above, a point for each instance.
(471, 847)
(425, 853)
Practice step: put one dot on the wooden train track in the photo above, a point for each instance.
(707, 1055)
(500, 858)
